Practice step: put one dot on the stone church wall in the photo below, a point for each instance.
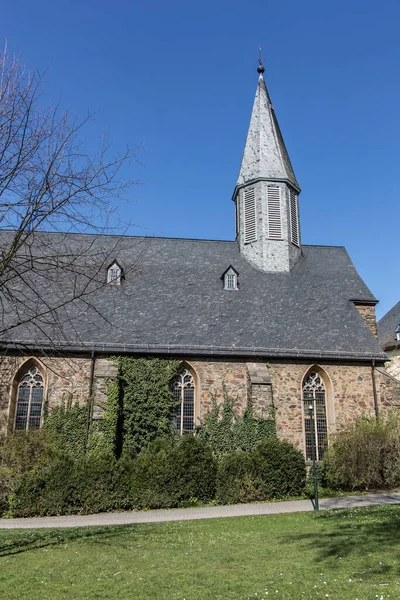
(367, 312)
(349, 388)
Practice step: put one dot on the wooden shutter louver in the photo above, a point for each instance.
(274, 212)
(250, 232)
(294, 218)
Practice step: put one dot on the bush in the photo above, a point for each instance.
(86, 485)
(365, 456)
(163, 476)
(167, 475)
(19, 453)
(275, 469)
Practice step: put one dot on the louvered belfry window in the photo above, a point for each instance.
(294, 218)
(183, 390)
(29, 400)
(250, 228)
(274, 212)
(314, 394)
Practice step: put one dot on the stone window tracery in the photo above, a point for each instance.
(314, 394)
(29, 402)
(183, 388)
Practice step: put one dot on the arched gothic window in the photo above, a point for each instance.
(183, 389)
(29, 402)
(314, 394)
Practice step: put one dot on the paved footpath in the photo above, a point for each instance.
(207, 512)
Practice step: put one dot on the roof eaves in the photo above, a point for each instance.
(199, 349)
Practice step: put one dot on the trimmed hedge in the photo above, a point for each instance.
(275, 469)
(165, 475)
(168, 475)
(87, 485)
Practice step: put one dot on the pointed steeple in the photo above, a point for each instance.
(265, 155)
(266, 193)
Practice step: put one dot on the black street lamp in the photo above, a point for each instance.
(314, 452)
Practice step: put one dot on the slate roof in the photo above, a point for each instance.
(387, 326)
(265, 155)
(172, 301)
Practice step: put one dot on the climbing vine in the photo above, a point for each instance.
(143, 386)
(226, 431)
(104, 435)
(65, 425)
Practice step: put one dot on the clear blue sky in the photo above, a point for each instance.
(178, 78)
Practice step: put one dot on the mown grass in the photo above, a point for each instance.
(346, 554)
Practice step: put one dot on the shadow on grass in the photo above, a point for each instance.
(365, 534)
(19, 541)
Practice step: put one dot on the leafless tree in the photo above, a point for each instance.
(48, 182)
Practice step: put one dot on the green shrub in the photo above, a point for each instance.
(365, 456)
(19, 453)
(167, 474)
(87, 485)
(225, 431)
(275, 469)
(163, 476)
(282, 466)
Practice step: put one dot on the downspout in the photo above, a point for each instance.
(90, 399)
(374, 390)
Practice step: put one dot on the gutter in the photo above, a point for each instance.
(208, 350)
(376, 406)
(90, 399)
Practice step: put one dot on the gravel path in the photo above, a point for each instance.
(208, 512)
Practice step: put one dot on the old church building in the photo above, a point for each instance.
(271, 319)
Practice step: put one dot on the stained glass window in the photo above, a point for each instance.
(314, 394)
(184, 391)
(28, 412)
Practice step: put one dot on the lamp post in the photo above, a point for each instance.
(314, 453)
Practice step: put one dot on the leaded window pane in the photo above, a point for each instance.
(29, 401)
(314, 395)
(183, 390)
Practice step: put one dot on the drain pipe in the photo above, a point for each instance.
(374, 390)
(90, 398)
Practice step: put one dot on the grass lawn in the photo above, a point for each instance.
(345, 554)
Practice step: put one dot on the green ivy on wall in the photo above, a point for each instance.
(225, 431)
(146, 402)
(104, 434)
(65, 425)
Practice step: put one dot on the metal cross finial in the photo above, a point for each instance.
(260, 67)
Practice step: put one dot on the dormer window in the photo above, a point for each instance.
(397, 332)
(230, 279)
(114, 274)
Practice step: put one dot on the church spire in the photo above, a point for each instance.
(266, 192)
(265, 155)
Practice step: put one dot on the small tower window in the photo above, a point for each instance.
(230, 279)
(397, 332)
(114, 274)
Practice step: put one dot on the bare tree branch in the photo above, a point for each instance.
(49, 183)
